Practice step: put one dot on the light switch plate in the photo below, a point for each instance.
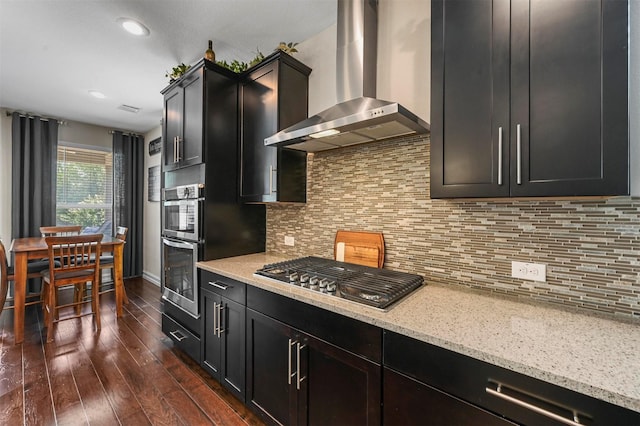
(289, 241)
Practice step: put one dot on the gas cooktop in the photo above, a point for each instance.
(371, 286)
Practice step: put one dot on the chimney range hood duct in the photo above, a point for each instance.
(360, 118)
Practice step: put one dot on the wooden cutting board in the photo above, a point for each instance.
(362, 248)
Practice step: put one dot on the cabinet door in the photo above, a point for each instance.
(410, 402)
(173, 113)
(232, 334)
(259, 120)
(269, 367)
(337, 387)
(211, 356)
(470, 98)
(192, 132)
(569, 132)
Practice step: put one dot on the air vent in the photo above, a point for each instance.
(129, 108)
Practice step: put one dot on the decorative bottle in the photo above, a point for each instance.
(209, 54)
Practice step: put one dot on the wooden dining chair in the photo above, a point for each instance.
(48, 231)
(106, 262)
(7, 275)
(79, 257)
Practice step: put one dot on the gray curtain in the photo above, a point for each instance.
(128, 193)
(34, 143)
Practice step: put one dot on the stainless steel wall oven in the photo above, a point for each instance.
(179, 275)
(182, 247)
(182, 211)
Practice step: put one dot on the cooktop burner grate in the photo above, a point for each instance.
(371, 286)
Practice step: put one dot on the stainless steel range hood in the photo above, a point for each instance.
(359, 117)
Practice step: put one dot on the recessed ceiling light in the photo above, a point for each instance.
(97, 94)
(133, 26)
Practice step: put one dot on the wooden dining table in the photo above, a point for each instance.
(25, 249)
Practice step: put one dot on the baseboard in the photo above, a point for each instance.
(151, 278)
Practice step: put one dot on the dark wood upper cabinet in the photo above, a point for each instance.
(200, 119)
(273, 96)
(529, 98)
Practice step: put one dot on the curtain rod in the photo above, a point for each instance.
(30, 115)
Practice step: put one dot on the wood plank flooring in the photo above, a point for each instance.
(129, 373)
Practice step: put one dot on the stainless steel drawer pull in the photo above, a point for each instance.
(498, 393)
(500, 155)
(177, 335)
(519, 153)
(220, 286)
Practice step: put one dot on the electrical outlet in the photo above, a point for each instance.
(289, 241)
(529, 271)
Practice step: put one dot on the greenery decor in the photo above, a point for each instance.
(177, 72)
(239, 66)
(289, 48)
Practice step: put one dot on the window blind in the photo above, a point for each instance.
(84, 192)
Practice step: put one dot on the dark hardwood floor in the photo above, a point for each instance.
(129, 373)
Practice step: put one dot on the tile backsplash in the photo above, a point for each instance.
(591, 247)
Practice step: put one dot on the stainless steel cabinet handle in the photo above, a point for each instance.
(215, 318)
(519, 153)
(177, 335)
(290, 374)
(299, 379)
(498, 393)
(220, 327)
(217, 285)
(499, 155)
(272, 170)
(178, 156)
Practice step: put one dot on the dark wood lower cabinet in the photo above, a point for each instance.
(482, 386)
(410, 402)
(224, 341)
(294, 378)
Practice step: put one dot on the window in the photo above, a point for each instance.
(84, 192)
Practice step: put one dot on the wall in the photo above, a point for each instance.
(404, 34)
(591, 247)
(151, 223)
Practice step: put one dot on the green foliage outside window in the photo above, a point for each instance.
(83, 187)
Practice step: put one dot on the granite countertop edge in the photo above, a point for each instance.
(543, 342)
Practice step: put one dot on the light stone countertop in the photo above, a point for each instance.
(593, 355)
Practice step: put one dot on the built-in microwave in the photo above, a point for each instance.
(182, 210)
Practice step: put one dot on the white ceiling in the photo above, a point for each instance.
(52, 52)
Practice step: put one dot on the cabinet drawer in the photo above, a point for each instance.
(181, 337)
(226, 287)
(477, 382)
(410, 402)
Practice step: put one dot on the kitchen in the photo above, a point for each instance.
(385, 187)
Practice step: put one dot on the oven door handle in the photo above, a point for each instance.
(178, 244)
(183, 202)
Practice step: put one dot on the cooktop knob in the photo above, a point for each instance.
(304, 280)
(293, 278)
(331, 287)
